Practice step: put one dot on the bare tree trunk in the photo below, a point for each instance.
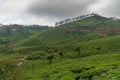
(33, 68)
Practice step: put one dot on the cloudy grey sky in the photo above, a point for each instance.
(47, 12)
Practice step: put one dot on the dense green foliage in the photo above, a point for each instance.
(88, 49)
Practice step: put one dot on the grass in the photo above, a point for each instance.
(103, 66)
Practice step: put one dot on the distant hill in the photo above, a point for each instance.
(64, 36)
(16, 33)
(91, 28)
(94, 23)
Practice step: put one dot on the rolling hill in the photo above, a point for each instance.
(82, 49)
(67, 35)
(18, 32)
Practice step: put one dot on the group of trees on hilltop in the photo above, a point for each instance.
(74, 19)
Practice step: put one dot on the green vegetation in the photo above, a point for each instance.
(88, 49)
(95, 67)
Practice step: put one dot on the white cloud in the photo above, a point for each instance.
(14, 6)
(50, 11)
(99, 5)
(14, 12)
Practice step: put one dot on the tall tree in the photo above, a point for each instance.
(33, 68)
(61, 56)
(78, 51)
(98, 49)
(50, 58)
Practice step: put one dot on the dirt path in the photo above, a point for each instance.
(21, 61)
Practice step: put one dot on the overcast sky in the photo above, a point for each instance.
(47, 12)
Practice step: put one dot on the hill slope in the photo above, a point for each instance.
(95, 23)
(91, 28)
(15, 32)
